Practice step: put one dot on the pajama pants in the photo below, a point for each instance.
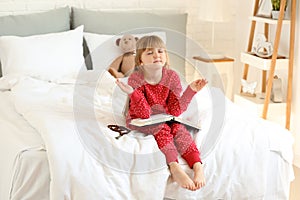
(173, 138)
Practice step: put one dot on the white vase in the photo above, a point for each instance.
(275, 14)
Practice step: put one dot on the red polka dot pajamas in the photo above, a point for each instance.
(147, 99)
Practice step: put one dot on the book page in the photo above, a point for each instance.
(154, 119)
(187, 122)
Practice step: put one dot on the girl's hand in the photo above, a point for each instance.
(197, 85)
(124, 87)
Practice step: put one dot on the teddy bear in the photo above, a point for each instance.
(124, 64)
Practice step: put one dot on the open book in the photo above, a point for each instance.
(159, 118)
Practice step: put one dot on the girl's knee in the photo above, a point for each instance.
(178, 128)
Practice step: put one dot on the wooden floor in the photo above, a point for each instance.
(295, 186)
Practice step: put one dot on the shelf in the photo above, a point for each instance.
(263, 63)
(268, 20)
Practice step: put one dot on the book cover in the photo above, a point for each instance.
(159, 118)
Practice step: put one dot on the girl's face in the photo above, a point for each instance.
(155, 56)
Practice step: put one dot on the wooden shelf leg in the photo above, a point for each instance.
(291, 60)
(263, 81)
(250, 41)
(274, 57)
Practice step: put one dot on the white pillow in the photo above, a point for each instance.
(49, 57)
(103, 48)
(94, 40)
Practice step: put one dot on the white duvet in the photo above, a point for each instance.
(86, 161)
(17, 139)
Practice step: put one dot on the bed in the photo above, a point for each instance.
(57, 99)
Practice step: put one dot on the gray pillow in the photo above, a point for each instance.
(56, 20)
(104, 22)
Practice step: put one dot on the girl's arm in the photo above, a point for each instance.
(178, 104)
(138, 106)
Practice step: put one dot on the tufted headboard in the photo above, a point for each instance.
(103, 22)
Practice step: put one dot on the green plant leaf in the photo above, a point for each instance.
(276, 5)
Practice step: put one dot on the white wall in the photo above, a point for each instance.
(230, 37)
(197, 30)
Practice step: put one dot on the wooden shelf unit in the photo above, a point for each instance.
(275, 61)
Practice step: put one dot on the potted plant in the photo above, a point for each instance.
(276, 8)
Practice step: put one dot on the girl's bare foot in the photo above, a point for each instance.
(199, 179)
(181, 177)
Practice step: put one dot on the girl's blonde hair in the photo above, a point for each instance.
(149, 42)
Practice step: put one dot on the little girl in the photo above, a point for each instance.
(154, 88)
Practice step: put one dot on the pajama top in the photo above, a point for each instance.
(163, 97)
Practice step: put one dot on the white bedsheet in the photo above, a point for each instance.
(31, 176)
(18, 139)
(236, 165)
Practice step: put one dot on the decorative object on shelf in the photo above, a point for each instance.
(264, 8)
(276, 92)
(276, 8)
(214, 11)
(261, 47)
(248, 88)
